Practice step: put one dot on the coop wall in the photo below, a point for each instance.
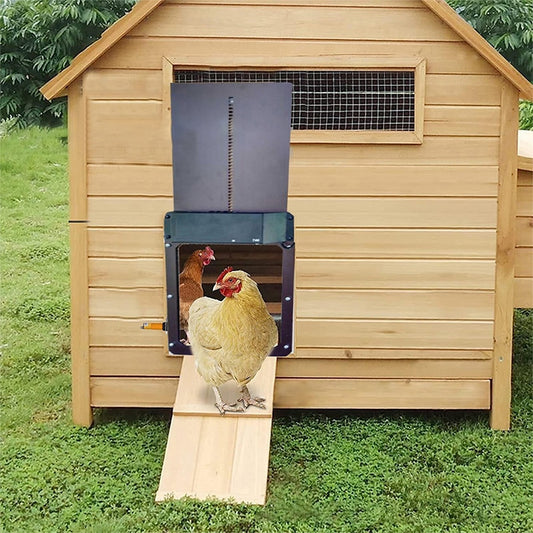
(395, 244)
(523, 289)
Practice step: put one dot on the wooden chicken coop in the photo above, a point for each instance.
(402, 186)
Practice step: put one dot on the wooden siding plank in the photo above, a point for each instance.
(385, 368)
(390, 354)
(124, 332)
(311, 333)
(455, 89)
(524, 205)
(401, 334)
(119, 242)
(349, 393)
(127, 132)
(127, 303)
(383, 394)
(393, 180)
(505, 245)
(153, 362)
(122, 84)
(393, 274)
(470, 151)
(523, 292)
(146, 53)
(393, 212)
(126, 273)
(320, 212)
(133, 392)
(387, 243)
(328, 180)
(462, 120)
(523, 262)
(288, 22)
(133, 361)
(322, 243)
(129, 180)
(524, 231)
(128, 211)
(395, 304)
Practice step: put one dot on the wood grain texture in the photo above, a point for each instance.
(288, 22)
(128, 211)
(145, 53)
(123, 84)
(464, 121)
(196, 397)
(326, 180)
(523, 263)
(524, 231)
(397, 334)
(126, 273)
(523, 292)
(504, 301)
(382, 394)
(141, 303)
(129, 180)
(125, 242)
(237, 466)
(389, 354)
(394, 180)
(393, 212)
(81, 403)
(134, 361)
(327, 363)
(310, 394)
(133, 391)
(393, 274)
(396, 243)
(395, 304)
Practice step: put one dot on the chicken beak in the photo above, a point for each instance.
(216, 286)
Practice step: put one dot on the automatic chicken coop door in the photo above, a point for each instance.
(230, 167)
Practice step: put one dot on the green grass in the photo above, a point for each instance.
(329, 471)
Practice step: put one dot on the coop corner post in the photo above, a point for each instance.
(500, 416)
(77, 150)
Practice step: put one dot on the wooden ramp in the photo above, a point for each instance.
(210, 455)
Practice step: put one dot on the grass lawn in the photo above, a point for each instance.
(335, 471)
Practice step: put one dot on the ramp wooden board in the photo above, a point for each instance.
(213, 456)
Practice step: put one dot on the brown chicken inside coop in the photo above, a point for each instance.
(190, 282)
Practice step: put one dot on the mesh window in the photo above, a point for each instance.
(334, 100)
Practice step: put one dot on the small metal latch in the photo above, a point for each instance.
(161, 326)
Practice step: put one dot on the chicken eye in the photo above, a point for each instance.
(231, 280)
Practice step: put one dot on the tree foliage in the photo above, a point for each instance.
(39, 38)
(506, 24)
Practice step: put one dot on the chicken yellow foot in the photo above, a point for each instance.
(224, 407)
(246, 399)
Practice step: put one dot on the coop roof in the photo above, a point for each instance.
(57, 86)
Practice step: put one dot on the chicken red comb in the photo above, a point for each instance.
(224, 272)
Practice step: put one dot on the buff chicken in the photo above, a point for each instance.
(231, 338)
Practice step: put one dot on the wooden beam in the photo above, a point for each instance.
(81, 401)
(505, 252)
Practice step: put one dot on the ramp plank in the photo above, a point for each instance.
(214, 456)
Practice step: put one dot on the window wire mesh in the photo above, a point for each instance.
(333, 100)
